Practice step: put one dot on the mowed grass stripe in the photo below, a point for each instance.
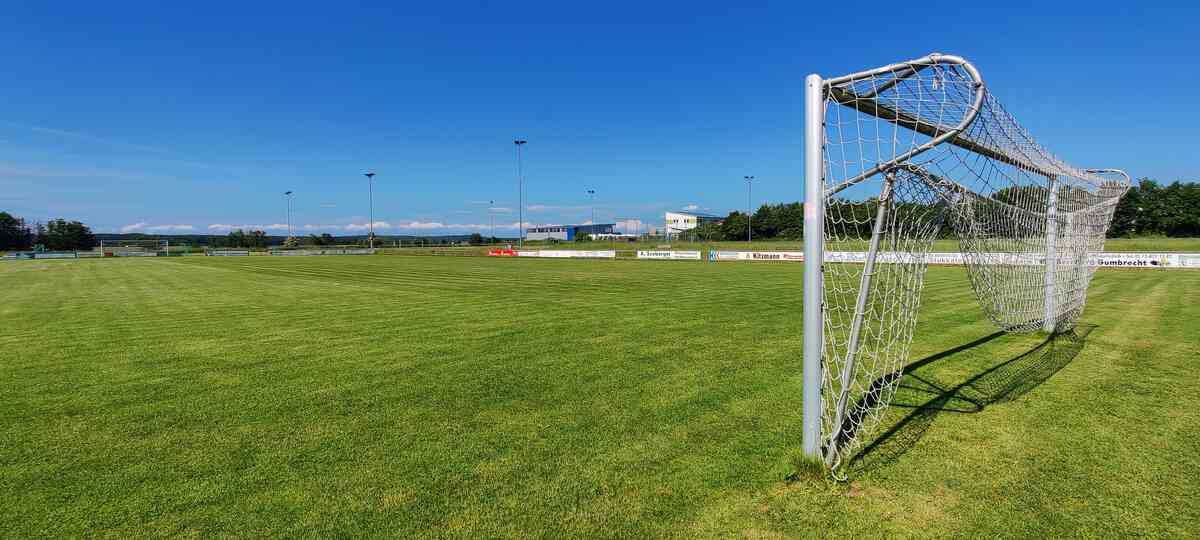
(432, 397)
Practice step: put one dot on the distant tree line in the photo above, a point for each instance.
(1148, 209)
(1153, 210)
(243, 239)
(55, 235)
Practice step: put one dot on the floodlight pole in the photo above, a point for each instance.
(370, 209)
(749, 212)
(592, 196)
(492, 218)
(288, 198)
(814, 238)
(520, 195)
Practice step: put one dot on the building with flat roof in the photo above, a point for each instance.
(567, 232)
(678, 222)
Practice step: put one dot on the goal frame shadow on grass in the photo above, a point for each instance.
(1001, 382)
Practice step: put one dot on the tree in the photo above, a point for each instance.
(62, 235)
(15, 234)
(583, 237)
(325, 239)
(257, 239)
(708, 231)
(734, 227)
(236, 239)
(476, 239)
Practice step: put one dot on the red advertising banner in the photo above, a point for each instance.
(502, 253)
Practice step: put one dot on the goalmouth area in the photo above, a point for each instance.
(491, 397)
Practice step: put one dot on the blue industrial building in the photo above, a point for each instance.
(567, 232)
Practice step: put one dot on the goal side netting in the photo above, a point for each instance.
(898, 157)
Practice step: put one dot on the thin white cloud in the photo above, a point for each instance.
(554, 208)
(630, 225)
(94, 139)
(367, 226)
(692, 207)
(143, 226)
(258, 227)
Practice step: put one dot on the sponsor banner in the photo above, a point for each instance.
(16, 256)
(1189, 260)
(332, 251)
(227, 253)
(88, 254)
(792, 256)
(54, 255)
(556, 253)
(568, 253)
(135, 254)
(573, 254)
(788, 256)
(670, 255)
(1105, 260)
(1140, 260)
(502, 253)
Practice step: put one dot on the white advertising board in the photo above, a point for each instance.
(334, 251)
(670, 255)
(228, 253)
(569, 254)
(1140, 260)
(1103, 260)
(785, 256)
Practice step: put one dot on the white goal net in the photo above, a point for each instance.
(906, 154)
(135, 248)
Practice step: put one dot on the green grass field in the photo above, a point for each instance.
(474, 397)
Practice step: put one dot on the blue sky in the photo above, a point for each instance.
(171, 117)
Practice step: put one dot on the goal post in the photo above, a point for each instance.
(895, 158)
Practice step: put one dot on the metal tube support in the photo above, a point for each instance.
(860, 311)
(1050, 316)
(814, 255)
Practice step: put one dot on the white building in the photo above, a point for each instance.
(678, 222)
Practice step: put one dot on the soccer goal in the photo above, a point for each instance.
(135, 248)
(897, 157)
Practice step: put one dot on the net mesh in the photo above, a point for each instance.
(918, 151)
(134, 247)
